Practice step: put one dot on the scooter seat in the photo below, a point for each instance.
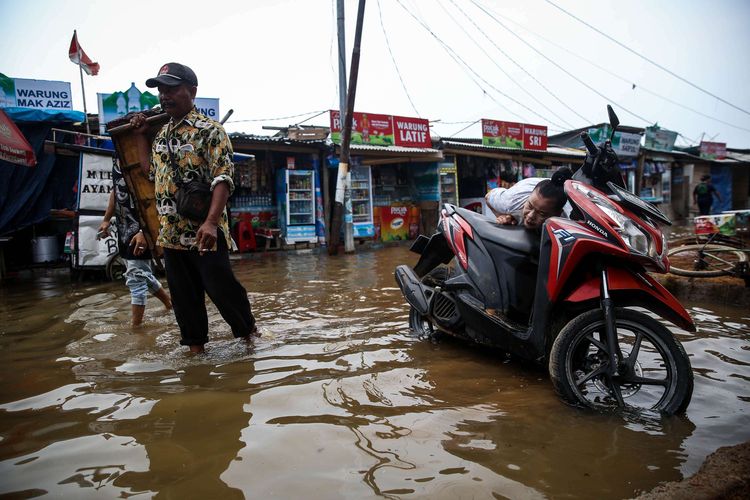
(517, 238)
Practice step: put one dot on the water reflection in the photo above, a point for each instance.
(336, 400)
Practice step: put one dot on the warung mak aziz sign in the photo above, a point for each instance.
(514, 135)
(384, 130)
(118, 104)
(34, 94)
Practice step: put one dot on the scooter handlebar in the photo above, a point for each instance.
(593, 150)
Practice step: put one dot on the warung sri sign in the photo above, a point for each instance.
(514, 135)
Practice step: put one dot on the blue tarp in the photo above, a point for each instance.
(41, 115)
(27, 194)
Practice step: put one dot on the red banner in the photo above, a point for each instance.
(504, 134)
(367, 128)
(412, 132)
(535, 137)
(713, 150)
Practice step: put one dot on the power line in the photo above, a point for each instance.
(520, 67)
(503, 70)
(560, 67)
(316, 113)
(467, 126)
(388, 44)
(461, 61)
(647, 59)
(621, 78)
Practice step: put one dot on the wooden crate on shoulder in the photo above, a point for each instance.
(127, 144)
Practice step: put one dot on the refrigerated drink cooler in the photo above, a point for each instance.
(361, 193)
(295, 191)
(448, 185)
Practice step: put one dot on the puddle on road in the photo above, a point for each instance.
(336, 398)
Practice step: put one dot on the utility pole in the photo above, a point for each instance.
(342, 209)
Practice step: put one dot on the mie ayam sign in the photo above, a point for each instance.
(384, 130)
(34, 94)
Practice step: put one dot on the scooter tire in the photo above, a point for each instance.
(573, 367)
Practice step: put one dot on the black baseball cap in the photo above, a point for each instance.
(173, 74)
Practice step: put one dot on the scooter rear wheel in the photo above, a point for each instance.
(420, 325)
(653, 371)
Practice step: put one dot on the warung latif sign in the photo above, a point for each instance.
(34, 94)
(384, 130)
(514, 135)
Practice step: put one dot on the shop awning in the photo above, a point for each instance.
(380, 155)
(505, 153)
(14, 147)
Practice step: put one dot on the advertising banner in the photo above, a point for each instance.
(367, 128)
(393, 224)
(94, 182)
(503, 134)
(412, 132)
(92, 251)
(118, 104)
(535, 137)
(660, 139)
(713, 150)
(34, 94)
(623, 143)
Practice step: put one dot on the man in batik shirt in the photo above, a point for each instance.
(196, 253)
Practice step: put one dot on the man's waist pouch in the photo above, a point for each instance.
(193, 200)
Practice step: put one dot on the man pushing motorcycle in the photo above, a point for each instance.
(530, 201)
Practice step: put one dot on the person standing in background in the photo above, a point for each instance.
(703, 195)
(132, 247)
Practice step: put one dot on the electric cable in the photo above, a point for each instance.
(456, 57)
(521, 68)
(560, 67)
(647, 59)
(454, 134)
(317, 113)
(459, 61)
(401, 79)
(635, 86)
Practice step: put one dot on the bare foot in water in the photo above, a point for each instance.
(197, 349)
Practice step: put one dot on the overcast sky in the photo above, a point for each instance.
(450, 61)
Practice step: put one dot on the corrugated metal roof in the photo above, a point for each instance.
(551, 150)
(393, 149)
(265, 139)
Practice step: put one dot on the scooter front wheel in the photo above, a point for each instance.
(653, 370)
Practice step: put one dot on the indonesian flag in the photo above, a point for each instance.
(79, 57)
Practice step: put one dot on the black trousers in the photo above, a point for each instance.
(190, 276)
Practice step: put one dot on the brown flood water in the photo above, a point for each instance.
(336, 400)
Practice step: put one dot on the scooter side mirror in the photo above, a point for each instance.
(613, 120)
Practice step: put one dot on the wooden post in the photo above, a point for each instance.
(346, 135)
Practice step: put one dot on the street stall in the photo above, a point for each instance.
(37, 186)
(394, 175)
(278, 197)
(506, 153)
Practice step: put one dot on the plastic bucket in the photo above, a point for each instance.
(44, 249)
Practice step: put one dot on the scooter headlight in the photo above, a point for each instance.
(634, 237)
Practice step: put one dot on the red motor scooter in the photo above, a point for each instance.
(564, 297)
